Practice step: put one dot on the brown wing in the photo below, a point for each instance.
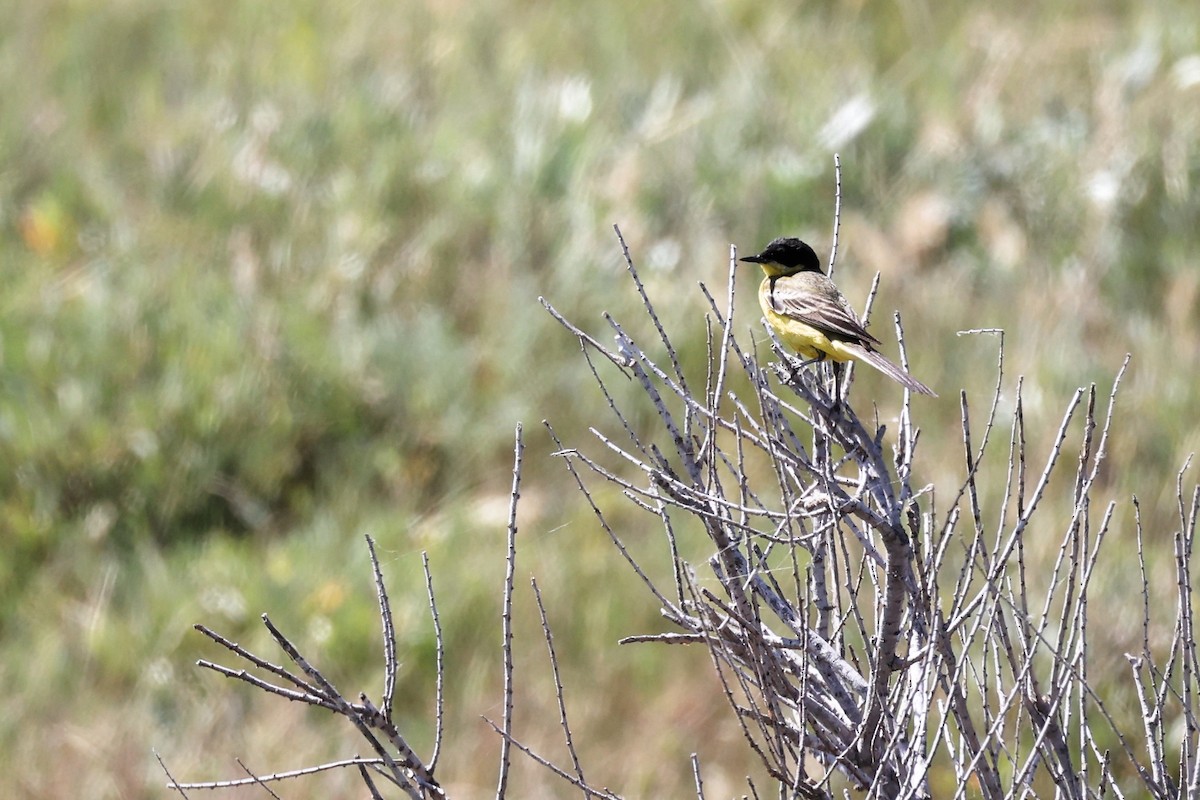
(818, 303)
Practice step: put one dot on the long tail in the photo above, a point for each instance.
(881, 363)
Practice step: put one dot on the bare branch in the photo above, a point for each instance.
(506, 616)
(440, 643)
(558, 689)
(389, 633)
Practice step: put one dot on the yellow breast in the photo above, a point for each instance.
(801, 337)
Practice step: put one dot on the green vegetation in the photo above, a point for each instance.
(270, 276)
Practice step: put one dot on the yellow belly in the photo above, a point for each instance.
(805, 339)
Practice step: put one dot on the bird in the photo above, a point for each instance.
(808, 313)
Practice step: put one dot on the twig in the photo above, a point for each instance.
(259, 780)
(603, 794)
(837, 211)
(262, 784)
(558, 689)
(389, 633)
(440, 642)
(620, 360)
(174, 784)
(506, 615)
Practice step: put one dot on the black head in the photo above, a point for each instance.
(788, 253)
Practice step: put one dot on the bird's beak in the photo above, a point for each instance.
(752, 259)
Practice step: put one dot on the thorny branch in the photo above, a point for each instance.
(396, 762)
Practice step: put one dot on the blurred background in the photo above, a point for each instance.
(270, 282)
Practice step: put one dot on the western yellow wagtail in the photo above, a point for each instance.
(811, 316)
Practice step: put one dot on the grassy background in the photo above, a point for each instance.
(270, 279)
